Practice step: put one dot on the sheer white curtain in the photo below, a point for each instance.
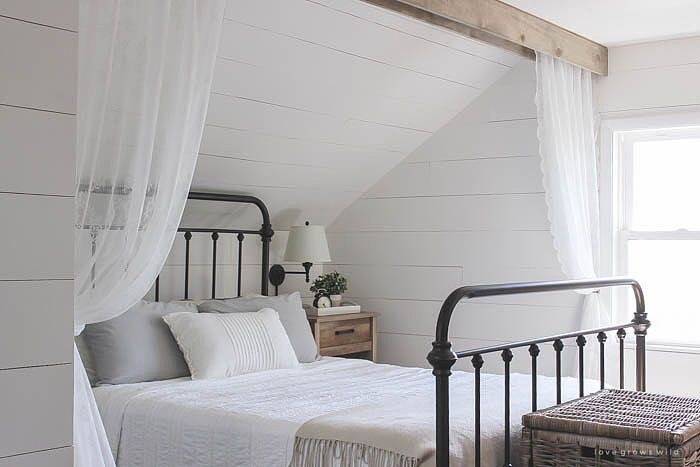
(145, 73)
(566, 123)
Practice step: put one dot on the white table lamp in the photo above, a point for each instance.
(306, 244)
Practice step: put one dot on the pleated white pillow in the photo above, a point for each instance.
(221, 345)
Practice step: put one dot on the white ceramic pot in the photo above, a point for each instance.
(336, 299)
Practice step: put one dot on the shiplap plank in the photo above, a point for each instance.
(473, 320)
(288, 206)
(314, 23)
(27, 249)
(476, 176)
(486, 176)
(649, 88)
(318, 95)
(35, 150)
(59, 14)
(400, 282)
(61, 457)
(42, 73)
(436, 282)
(22, 341)
(227, 171)
(423, 30)
(446, 213)
(660, 54)
(505, 101)
(39, 402)
(503, 249)
(461, 139)
(283, 54)
(289, 149)
(269, 119)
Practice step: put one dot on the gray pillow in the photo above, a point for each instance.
(137, 346)
(290, 311)
(86, 357)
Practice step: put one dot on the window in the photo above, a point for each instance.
(657, 238)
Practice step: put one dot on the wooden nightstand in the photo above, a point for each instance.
(351, 335)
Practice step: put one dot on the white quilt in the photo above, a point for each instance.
(251, 420)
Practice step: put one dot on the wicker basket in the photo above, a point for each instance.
(614, 428)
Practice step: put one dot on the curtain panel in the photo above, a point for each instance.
(566, 122)
(145, 74)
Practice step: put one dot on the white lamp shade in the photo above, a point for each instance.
(307, 244)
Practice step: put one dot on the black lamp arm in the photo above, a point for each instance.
(278, 273)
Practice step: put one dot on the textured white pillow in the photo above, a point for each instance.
(291, 313)
(220, 345)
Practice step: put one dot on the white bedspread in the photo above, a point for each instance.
(251, 420)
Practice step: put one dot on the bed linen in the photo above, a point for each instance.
(252, 419)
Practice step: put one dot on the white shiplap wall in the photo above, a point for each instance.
(38, 67)
(466, 207)
(313, 101)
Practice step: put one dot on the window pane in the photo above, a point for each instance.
(669, 272)
(666, 185)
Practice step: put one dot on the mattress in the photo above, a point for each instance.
(251, 420)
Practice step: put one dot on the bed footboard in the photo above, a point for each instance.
(442, 357)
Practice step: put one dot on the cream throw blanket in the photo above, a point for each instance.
(395, 433)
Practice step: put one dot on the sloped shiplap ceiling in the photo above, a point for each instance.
(314, 100)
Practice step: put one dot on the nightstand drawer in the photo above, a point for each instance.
(348, 335)
(346, 332)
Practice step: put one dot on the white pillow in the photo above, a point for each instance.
(291, 313)
(220, 345)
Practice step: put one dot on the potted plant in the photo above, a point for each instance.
(333, 283)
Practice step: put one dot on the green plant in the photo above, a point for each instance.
(333, 283)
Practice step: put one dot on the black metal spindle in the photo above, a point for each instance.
(240, 238)
(621, 333)
(602, 337)
(214, 238)
(507, 356)
(581, 342)
(477, 362)
(534, 352)
(158, 288)
(558, 347)
(188, 237)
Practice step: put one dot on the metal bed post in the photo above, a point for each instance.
(265, 234)
(442, 357)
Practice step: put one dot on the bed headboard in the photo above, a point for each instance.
(265, 234)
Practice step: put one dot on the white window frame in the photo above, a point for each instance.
(617, 136)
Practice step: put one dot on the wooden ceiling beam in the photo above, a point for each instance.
(505, 26)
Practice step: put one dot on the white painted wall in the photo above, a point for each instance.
(467, 207)
(38, 68)
(312, 102)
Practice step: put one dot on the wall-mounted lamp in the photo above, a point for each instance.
(307, 245)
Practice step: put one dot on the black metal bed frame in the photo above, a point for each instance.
(265, 234)
(442, 357)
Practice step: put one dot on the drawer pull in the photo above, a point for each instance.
(340, 332)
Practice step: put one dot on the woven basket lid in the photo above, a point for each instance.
(630, 415)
